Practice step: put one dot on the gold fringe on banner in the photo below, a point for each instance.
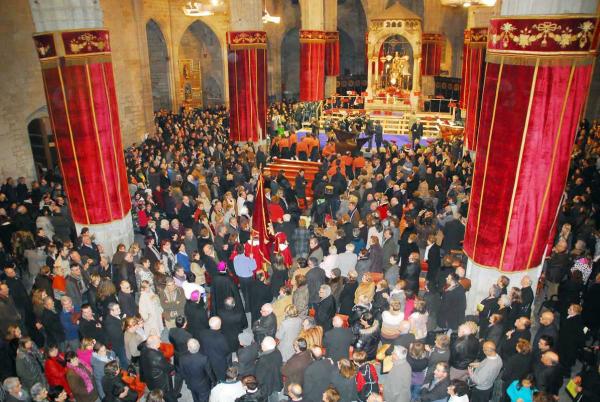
(541, 60)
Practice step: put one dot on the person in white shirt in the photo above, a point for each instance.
(330, 261)
(458, 391)
(229, 390)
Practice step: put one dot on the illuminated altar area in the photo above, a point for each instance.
(394, 57)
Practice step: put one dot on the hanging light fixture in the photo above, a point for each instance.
(266, 17)
(202, 9)
(468, 3)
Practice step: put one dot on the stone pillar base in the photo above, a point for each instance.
(110, 235)
(483, 277)
(330, 85)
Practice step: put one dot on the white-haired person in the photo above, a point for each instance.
(268, 369)
(196, 371)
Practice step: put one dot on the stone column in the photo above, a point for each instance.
(247, 67)
(312, 51)
(332, 47)
(74, 53)
(539, 65)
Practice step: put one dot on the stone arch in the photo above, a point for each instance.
(290, 64)
(158, 57)
(41, 140)
(200, 75)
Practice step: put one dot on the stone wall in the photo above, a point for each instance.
(22, 91)
(159, 66)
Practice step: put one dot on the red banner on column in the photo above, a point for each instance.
(533, 98)
(247, 66)
(312, 65)
(476, 39)
(432, 53)
(82, 103)
(332, 53)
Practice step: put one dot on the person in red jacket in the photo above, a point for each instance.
(56, 370)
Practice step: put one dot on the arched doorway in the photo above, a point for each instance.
(159, 66)
(352, 26)
(200, 67)
(42, 144)
(290, 64)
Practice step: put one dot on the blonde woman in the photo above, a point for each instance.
(288, 331)
(133, 335)
(150, 310)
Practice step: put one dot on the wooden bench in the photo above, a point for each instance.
(290, 168)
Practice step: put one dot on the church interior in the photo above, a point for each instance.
(471, 125)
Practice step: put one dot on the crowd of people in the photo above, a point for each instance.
(361, 298)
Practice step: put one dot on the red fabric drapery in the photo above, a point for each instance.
(332, 54)
(82, 103)
(529, 114)
(260, 227)
(464, 74)
(247, 67)
(432, 53)
(312, 65)
(475, 43)
(476, 69)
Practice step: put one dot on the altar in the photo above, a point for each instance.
(394, 56)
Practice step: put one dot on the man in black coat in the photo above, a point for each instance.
(325, 309)
(266, 325)
(547, 374)
(89, 326)
(196, 371)
(215, 347)
(268, 368)
(571, 338)
(155, 370)
(317, 375)
(179, 337)
(453, 304)
(247, 354)
(195, 314)
(315, 277)
(547, 328)
(433, 259)
(454, 234)
(221, 288)
(337, 341)
(55, 333)
(416, 132)
(437, 389)
(233, 322)
(113, 332)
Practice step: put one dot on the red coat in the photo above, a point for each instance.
(275, 212)
(282, 247)
(56, 374)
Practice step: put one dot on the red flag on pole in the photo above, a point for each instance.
(260, 228)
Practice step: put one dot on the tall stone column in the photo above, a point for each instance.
(312, 51)
(332, 47)
(75, 57)
(539, 65)
(431, 54)
(247, 68)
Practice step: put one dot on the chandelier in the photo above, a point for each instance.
(203, 9)
(266, 18)
(468, 3)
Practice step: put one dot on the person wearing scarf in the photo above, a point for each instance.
(80, 379)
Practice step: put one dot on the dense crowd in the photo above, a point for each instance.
(362, 298)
